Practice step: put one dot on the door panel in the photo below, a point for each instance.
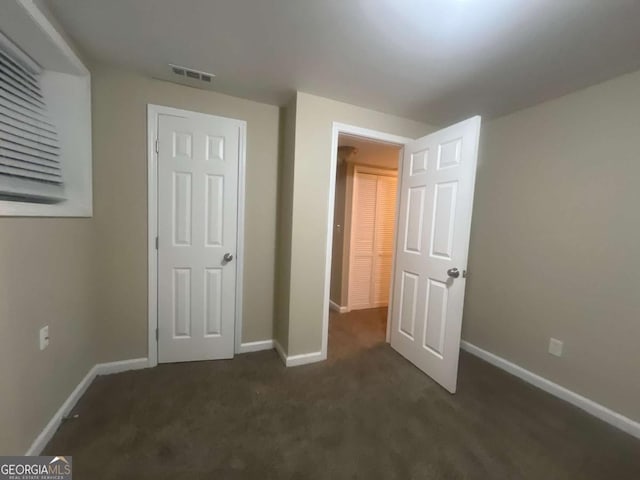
(408, 302)
(214, 210)
(436, 315)
(213, 300)
(414, 219)
(197, 224)
(436, 200)
(443, 219)
(384, 234)
(181, 208)
(361, 266)
(371, 253)
(182, 302)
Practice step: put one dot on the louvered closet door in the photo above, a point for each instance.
(372, 227)
(363, 224)
(385, 223)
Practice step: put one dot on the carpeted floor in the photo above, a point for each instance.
(366, 413)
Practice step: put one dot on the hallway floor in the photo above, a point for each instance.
(366, 413)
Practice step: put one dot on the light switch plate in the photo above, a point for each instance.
(44, 337)
(555, 347)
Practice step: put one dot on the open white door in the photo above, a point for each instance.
(198, 159)
(434, 220)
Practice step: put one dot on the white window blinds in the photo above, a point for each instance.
(30, 168)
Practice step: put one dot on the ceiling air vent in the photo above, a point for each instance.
(192, 74)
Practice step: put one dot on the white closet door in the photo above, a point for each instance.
(363, 224)
(372, 233)
(197, 226)
(385, 222)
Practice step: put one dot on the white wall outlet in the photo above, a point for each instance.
(44, 337)
(555, 347)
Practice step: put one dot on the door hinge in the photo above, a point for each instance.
(157, 334)
(157, 243)
(157, 146)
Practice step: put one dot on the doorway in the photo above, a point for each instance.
(363, 232)
(431, 241)
(364, 216)
(196, 205)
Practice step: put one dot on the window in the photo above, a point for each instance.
(30, 167)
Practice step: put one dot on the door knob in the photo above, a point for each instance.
(227, 257)
(453, 272)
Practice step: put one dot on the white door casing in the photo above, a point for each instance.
(371, 242)
(197, 173)
(434, 221)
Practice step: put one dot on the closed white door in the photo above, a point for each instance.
(372, 229)
(434, 220)
(385, 232)
(198, 157)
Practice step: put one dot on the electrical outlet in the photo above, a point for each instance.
(44, 337)
(555, 347)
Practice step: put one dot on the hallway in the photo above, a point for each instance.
(354, 332)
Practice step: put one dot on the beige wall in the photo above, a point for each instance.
(554, 242)
(314, 118)
(553, 247)
(46, 278)
(338, 264)
(120, 207)
(285, 208)
(87, 278)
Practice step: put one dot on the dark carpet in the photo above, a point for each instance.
(366, 413)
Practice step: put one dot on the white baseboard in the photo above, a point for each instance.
(304, 359)
(297, 360)
(337, 308)
(43, 438)
(100, 369)
(121, 366)
(597, 410)
(255, 346)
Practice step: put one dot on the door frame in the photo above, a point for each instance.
(336, 129)
(153, 112)
(379, 171)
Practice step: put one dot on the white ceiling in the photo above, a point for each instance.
(432, 60)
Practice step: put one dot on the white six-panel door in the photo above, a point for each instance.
(197, 225)
(434, 220)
